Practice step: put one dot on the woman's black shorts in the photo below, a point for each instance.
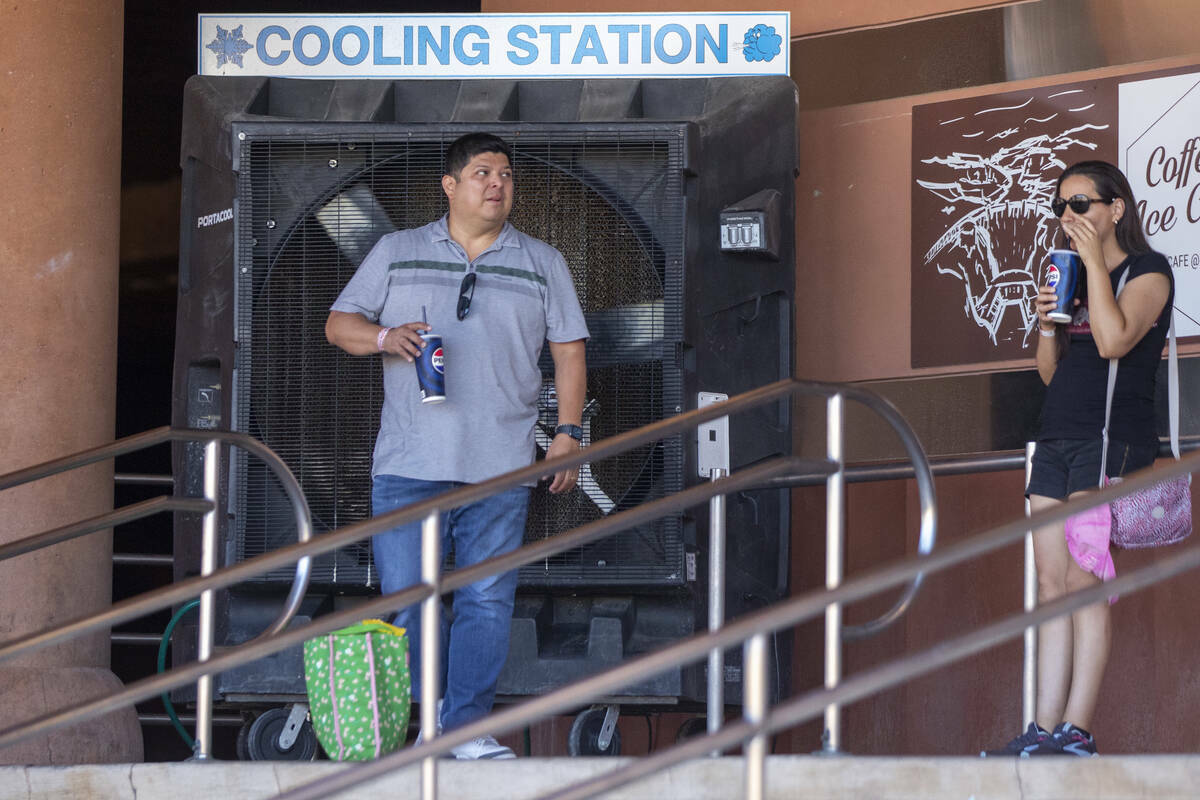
(1062, 467)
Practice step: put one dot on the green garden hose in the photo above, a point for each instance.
(162, 667)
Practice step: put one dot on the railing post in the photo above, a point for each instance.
(431, 635)
(835, 486)
(754, 708)
(716, 605)
(1029, 661)
(208, 565)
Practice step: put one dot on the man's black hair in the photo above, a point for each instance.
(464, 148)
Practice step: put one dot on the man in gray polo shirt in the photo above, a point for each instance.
(494, 295)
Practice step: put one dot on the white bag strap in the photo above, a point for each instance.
(1172, 390)
(1173, 387)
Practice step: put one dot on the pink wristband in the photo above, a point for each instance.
(379, 339)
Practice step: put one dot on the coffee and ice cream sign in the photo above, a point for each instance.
(1160, 154)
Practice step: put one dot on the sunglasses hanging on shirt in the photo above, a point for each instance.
(1079, 203)
(466, 291)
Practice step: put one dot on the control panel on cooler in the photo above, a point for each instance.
(752, 225)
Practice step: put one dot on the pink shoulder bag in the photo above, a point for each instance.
(1161, 514)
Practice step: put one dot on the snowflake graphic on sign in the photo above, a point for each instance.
(761, 43)
(229, 46)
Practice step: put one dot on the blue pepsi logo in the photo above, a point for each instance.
(1052, 276)
(438, 361)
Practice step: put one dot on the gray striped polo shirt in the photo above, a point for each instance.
(523, 296)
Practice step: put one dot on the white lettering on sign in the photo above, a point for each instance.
(1159, 143)
(213, 219)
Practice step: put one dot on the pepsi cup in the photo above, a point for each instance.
(1061, 276)
(431, 369)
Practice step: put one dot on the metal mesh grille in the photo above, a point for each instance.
(310, 208)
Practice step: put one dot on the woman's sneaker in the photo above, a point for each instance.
(1074, 741)
(1032, 739)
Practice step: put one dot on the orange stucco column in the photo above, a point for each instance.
(60, 135)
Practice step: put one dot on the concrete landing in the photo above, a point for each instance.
(1154, 777)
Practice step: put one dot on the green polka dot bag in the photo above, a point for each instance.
(359, 689)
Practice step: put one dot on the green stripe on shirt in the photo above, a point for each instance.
(484, 269)
(441, 266)
(511, 272)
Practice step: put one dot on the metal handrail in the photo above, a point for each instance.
(788, 613)
(143, 559)
(140, 441)
(808, 706)
(143, 479)
(942, 466)
(207, 506)
(102, 522)
(384, 604)
(925, 491)
(189, 588)
(94, 455)
(751, 626)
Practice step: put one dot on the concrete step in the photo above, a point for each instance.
(789, 777)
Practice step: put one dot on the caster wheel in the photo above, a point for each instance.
(243, 739)
(583, 740)
(259, 741)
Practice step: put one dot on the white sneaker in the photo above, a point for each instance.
(485, 747)
(421, 734)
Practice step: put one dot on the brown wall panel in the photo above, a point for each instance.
(1152, 688)
(931, 55)
(968, 704)
(1149, 691)
(1056, 36)
(809, 17)
(1131, 30)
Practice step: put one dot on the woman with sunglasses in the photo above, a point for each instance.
(1100, 219)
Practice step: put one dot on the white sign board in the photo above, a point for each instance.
(513, 46)
(1160, 154)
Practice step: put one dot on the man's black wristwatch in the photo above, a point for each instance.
(574, 431)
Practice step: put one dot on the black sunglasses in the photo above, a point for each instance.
(1080, 203)
(466, 291)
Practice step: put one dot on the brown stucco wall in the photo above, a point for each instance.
(809, 17)
(60, 132)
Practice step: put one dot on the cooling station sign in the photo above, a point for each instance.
(495, 45)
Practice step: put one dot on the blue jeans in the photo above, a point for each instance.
(475, 639)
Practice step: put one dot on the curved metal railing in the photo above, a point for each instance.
(207, 505)
(922, 473)
(156, 505)
(758, 723)
(751, 478)
(752, 629)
